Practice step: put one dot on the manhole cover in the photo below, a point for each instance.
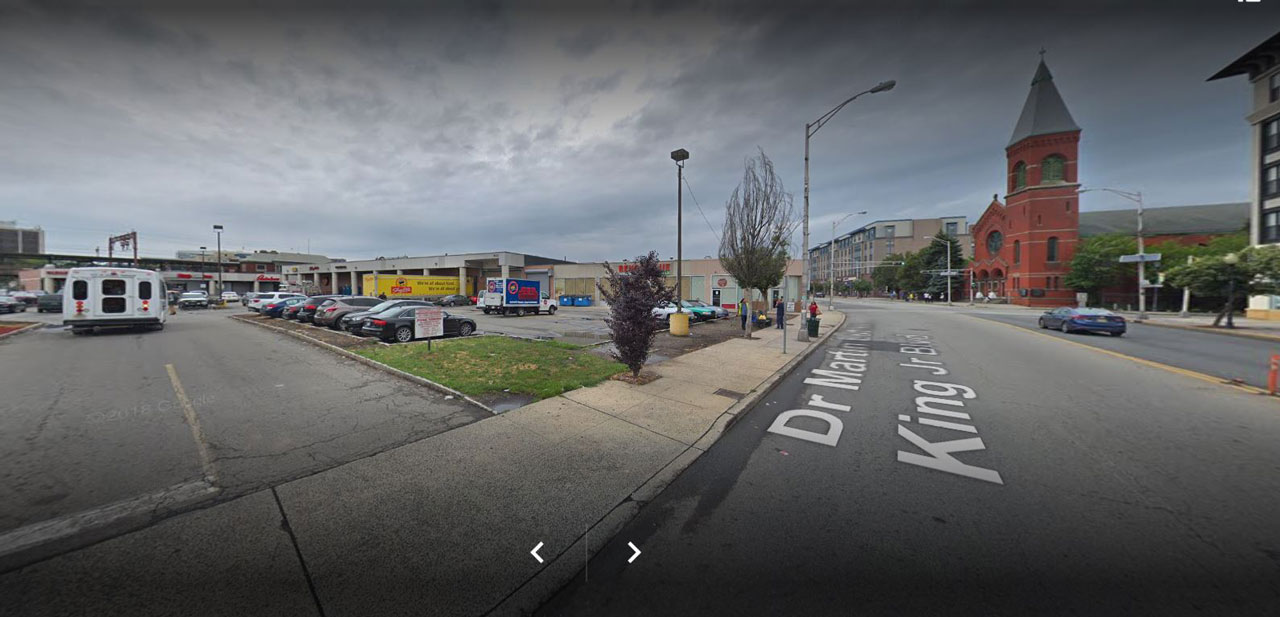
(737, 396)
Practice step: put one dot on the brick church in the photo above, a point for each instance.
(1023, 247)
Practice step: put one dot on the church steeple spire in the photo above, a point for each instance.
(1044, 112)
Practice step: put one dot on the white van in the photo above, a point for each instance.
(113, 297)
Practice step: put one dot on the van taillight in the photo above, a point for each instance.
(146, 305)
(79, 306)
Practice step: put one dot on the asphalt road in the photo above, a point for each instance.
(94, 420)
(1099, 486)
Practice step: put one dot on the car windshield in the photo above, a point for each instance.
(193, 294)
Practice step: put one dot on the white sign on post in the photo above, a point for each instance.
(428, 321)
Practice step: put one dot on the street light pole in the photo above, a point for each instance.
(1134, 196)
(810, 130)
(680, 156)
(831, 260)
(218, 230)
(1186, 295)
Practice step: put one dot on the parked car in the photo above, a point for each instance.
(1070, 319)
(10, 304)
(310, 305)
(193, 299)
(396, 325)
(230, 296)
(26, 297)
(291, 312)
(354, 321)
(663, 311)
(49, 303)
(700, 312)
(455, 300)
(721, 312)
(335, 309)
(265, 298)
(274, 309)
(244, 300)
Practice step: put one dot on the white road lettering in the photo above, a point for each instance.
(830, 438)
(939, 456)
(816, 400)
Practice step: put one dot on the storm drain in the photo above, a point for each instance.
(737, 396)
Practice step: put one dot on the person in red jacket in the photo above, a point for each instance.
(813, 309)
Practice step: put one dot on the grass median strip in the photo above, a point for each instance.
(487, 365)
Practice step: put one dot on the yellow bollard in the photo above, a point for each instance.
(680, 324)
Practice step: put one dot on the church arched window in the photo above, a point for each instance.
(1053, 169)
(1019, 176)
(1017, 251)
(1051, 253)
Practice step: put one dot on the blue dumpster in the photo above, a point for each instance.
(566, 300)
(582, 301)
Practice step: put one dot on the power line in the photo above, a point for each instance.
(699, 206)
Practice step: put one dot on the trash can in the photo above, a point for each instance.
(813, 326)
(582, 301)
(566, 300)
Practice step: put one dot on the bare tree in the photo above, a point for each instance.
(759, 219)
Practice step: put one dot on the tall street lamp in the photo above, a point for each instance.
(948, 266)
(1231, 259)
(218, 230)
(810, 130)
(680, 156)
(831, 261)
(1136, 197)
(202, 250)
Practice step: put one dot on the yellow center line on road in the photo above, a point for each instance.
(1151, 363)
(206, 460)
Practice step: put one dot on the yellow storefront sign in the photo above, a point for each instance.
(402, 286)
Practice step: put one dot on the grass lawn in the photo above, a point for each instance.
(482, 365)
(13, 325)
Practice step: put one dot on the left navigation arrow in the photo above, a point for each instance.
(534, 552)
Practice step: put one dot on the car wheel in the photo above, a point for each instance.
(519, 312)
(486, 311)
(1042, 326)
(404, 334)
(1065, 328)
(551, 310)
(466, 329)
(334, 325)
(1117, 334)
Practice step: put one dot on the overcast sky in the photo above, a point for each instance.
(546, 128)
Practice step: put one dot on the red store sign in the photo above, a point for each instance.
(268, 277)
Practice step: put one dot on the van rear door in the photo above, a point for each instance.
(116, 293)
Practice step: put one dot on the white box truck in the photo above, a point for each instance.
(517, 297)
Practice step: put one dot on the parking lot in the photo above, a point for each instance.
(113, 419)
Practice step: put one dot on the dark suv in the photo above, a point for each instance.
(330, 313)
(49, 303)
(309, 306)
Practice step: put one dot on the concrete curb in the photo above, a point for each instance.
(26, 328)
(560, 569)
(1211, 330)
(422, 381)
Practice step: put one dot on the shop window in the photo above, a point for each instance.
(1051, 253)
(1017, 251)
(1052, 169)
(1019, 176)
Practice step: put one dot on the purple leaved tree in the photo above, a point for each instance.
(632, 296)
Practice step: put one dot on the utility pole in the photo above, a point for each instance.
(1142, 267)
(1186, 295)
(680, 156)
(831, 261)
(218, 230)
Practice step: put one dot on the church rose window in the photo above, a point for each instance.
(995, 240)
(1051, 169)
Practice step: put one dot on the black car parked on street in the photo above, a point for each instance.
(396, 325)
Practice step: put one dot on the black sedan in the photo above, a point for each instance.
(456, 300)
(396, 325)
(10, 304)
(354, 321)
(1070, 319)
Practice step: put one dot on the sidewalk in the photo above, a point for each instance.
(442, 526)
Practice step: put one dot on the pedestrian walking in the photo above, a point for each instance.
(813, 310)
(382, 296)
(782, 312)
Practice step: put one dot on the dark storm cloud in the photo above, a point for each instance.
(546, 127)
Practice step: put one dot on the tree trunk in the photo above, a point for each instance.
(1225, 312)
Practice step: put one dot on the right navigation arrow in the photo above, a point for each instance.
(633, 557)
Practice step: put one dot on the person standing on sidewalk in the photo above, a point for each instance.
(782, 312)
(742, 312)
(813, 310)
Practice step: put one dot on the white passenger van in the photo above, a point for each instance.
(113, 297)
